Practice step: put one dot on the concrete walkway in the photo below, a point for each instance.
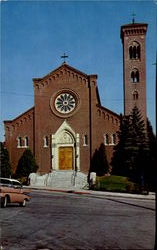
(150, 196)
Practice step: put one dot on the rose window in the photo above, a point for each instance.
(65, 103)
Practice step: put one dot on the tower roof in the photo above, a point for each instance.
(133, 29)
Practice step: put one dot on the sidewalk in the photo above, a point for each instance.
(150, 196)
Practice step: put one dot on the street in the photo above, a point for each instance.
(68, 221)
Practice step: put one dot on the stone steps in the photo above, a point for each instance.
(60, 179)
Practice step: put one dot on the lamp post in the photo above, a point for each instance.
(75, 168)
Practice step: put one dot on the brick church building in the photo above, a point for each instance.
(68, 123)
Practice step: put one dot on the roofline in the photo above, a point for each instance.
(63, 64)
(132, 25)
(108, 110)
(5, 121)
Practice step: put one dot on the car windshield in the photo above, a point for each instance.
(5, 182)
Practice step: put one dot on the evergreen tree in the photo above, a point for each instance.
(26, 164)
(130, 157)
(138, 146)
(120, 156)
(138, 129)
(4, 160)
(99, 163)
(151, 172)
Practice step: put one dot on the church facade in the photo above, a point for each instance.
(68, 123)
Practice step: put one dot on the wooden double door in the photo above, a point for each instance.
(65, 158)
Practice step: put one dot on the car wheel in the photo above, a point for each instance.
(5, 202)
(23, 204)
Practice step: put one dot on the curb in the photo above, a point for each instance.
(99, 194)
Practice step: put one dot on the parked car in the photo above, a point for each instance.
(12, 191)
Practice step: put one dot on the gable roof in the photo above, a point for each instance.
(61, 67)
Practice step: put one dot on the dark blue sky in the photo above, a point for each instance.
(36, 33)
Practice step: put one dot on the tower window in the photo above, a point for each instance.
(134, 51)
(135, 76)
(135, 95)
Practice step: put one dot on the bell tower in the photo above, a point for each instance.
(134, 67)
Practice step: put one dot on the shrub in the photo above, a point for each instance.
(26, 164)
(116, 184)
(5, 162)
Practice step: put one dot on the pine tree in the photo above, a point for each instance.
(4, 160)
(138, 128)
(151, 172)
(26, 164)
(131, 153)
(120, 156)
(138, 146)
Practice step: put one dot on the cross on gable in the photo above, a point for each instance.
(64, 56)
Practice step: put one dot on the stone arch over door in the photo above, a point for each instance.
(65, 149)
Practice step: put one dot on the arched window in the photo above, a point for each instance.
(135, 95)
(132, 76)
(106, 138)
(134, 50)
(46, 142)
(26, 142)
(19, 142)
(135, 77)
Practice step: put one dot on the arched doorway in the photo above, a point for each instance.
(65, 149)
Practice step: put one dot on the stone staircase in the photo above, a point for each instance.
(60, 179)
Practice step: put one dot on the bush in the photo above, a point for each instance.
(116, 184)
(5, 162)
(26, 164)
